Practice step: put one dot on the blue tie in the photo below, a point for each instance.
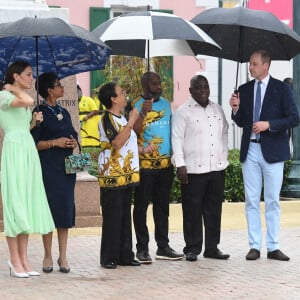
(257, 105)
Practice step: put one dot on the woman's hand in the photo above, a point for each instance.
(64, 142)
(72, 142)
(22, 98)
(11, 88)
(36, 117)
(133, 116)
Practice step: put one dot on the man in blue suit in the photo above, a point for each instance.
(265, 108)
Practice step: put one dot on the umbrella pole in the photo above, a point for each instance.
(148, 50)
(236, 77)
(148, 56)
(37, 71)
(37, 76)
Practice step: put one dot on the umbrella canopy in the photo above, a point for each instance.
(149, 34)
(241, 31)
(51, 45)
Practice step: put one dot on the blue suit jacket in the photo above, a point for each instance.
(279, 108)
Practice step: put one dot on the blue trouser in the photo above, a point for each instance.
(255, 168)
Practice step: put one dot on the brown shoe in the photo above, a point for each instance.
(278, 255)
(253, 254)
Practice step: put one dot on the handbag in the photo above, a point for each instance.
(77, 162)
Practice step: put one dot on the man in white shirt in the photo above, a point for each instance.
(200, 148)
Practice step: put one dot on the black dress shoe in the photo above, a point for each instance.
(110, 265)
(278, 255)
(191, 256)
(133, 263)
(215, 253)
(253, 254)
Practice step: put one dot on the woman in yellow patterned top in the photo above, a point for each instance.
(118, 172)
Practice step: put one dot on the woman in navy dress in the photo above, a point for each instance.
(55, 139)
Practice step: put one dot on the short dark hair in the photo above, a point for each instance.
(16, 67)
(107, 91)
(265, 56)
(146, 78)
(46, 81)
(195, 78)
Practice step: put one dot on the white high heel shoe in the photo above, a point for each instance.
(33, 273)
(12, 271)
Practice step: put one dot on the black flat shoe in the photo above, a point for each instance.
(110, 265)
(191, 256)
(63, 269)
(215, 253)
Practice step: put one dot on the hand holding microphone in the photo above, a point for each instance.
(147, 106)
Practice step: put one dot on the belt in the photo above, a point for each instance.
(255, 141)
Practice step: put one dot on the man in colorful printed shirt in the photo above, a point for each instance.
(156, 173)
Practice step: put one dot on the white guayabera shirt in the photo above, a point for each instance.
(200, 137)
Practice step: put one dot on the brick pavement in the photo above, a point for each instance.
(204, 279)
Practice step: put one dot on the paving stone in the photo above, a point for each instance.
(235, 278)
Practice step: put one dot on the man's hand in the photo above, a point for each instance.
(260, 126)
(235, 102)
(182, 175)
(147, 106)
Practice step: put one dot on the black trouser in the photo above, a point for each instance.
(116, 241)
(155, 186)
(202, 198)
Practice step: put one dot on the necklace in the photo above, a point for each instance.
(59, 115)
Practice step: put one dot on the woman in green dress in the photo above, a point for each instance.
(25, 206)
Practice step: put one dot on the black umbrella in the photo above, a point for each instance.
(51, 45)
(241, 31)
(148, 34)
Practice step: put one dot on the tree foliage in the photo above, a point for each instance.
(128, 71)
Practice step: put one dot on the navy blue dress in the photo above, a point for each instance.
(59, 186)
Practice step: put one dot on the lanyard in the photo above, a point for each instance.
(59, 115)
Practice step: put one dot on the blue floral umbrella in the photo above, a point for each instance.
(51, 45)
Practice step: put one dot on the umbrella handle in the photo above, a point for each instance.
(236, 92)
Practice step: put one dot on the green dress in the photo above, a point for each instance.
(25, 206)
